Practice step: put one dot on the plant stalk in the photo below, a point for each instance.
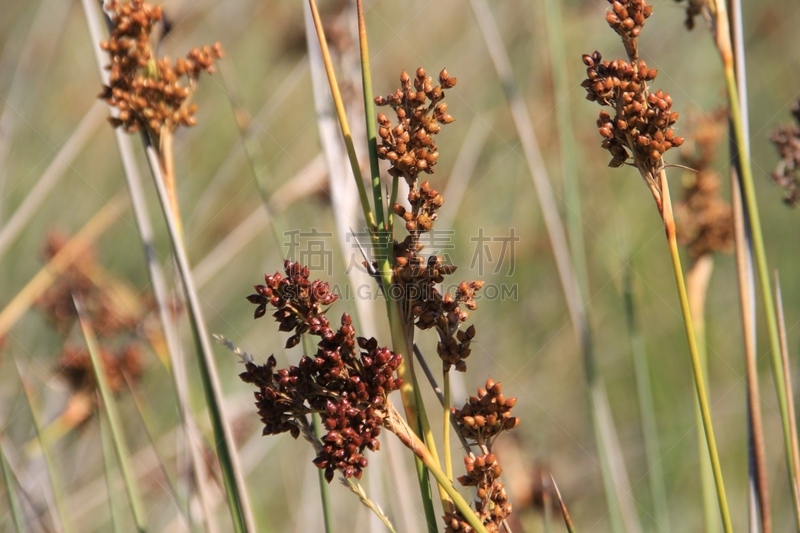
(669, 226)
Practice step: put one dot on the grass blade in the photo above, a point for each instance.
(787, 373)
(11, 493)
(564, 512)
(108, 474)
(644, 392)
(114, 420)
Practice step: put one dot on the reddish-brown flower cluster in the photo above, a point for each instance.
(704, 220)
(627, 17)
(150, 92)
(298, 300)
(641, 127)
(409, 146)
(485, 416)
(346, 382)
(787, 172)
(492, 506)
(480, 421)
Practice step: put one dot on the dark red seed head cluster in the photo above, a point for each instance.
(408, 144)
(300, 302)
(347, 381)
(786, 175)
(149, 92)
(492, 506)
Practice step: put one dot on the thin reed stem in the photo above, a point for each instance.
(564, 512)
(235, 488)
(108, 474)
(669, 226)
(448, 456)
(738, 121)
(343, 124)
(114, 420)
(14, 507)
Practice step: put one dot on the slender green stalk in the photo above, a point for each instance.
(399, 427)
(372, 136)
(344, 125)
(697, 280)
(723, 41)
(324, 489)
(13, 502)
(235, 488)
(788, 376)
(448, 456)
(108, 474)
(669, 226)
(114, 420)
(324, 492)
(64, 524)
(644, 390)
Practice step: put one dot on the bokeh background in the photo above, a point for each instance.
(48, 88)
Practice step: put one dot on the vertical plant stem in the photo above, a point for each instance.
(233, 478)
(372, 137)
(787, 373)
(564, 512)
(324, 489)
(697, 280)
(448, 457)
(644, 390)
(13, 502)
(343, 124)
(723, 41)
(108, 474)
(114, 420)
(669, 226)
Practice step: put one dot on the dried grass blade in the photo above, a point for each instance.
(564, 512)
(14, 507)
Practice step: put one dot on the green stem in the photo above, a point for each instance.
(448, 459)
(114, 421)
(343, 124)
(13, 501)
(324, 493)
(324, 489)
(398, 426)
(369, 114)
(669, 225)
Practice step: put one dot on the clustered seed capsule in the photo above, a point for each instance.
(347, 381)
(298, 300)
(786, 175)
(408, 145)
(641, 127)
(485, 416)
(627, 18)
(492, 506)
(149, 92)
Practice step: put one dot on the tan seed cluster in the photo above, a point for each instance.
(492, 506)
(641, 127)
(627, 17)
(150, 92)
(408, 145)
(486, 415)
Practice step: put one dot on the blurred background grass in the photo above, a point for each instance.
(527, 343)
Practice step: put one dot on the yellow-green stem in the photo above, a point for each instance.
(398, 426)
(448, 459)
(669, 226)
(343, 124)
(724, 46)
